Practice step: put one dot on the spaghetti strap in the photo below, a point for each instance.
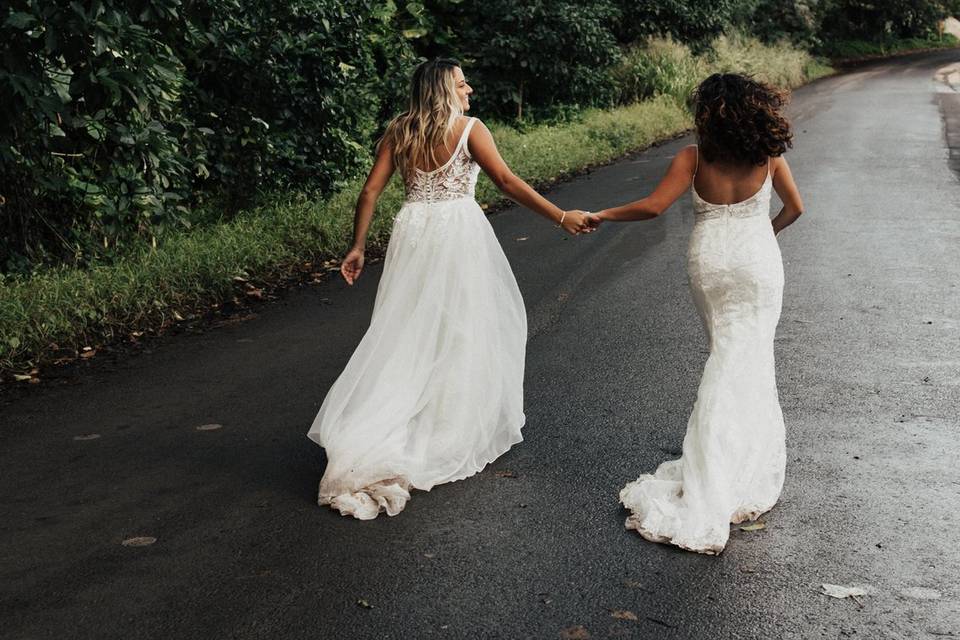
(697, 167)
(464, 136)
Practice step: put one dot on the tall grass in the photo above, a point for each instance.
(662, 66)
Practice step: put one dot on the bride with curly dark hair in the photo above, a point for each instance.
(733, 461)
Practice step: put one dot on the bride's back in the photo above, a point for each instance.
(724, 183)
(444, 153)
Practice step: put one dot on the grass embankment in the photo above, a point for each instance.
(58, 312)
(850, 51)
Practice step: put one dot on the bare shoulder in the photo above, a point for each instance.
(477, 124)
(686, 158)
(779, 169)
(479, 134)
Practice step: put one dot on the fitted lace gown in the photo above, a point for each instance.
(434, 391)
(732, 466)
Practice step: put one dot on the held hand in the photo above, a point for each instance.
(574, 222)
(352, 265)
(593, 220)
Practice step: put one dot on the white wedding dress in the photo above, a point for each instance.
(434, 391)
(733, 460)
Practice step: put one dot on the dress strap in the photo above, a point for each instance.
(463, 138)
(696, 148)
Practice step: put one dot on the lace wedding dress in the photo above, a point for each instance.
(733, 460)
(434, 391)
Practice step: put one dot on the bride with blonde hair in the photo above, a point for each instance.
(434, 390)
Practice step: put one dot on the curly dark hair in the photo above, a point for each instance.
(738, 120)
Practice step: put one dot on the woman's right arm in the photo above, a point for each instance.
(383, 168)
(789, 194)
(484, 151)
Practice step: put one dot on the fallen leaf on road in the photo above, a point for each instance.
(841, 592)
(139, 541)
(209, 427)
(88, 353)
(622, 614)
(19, 377)
(523, 238)
(363, 603)
(578, 632)
(505, 473)
(756, 526)
(429, 555)
(87, 436)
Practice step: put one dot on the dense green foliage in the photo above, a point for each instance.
(121, 115)
(58, 311)
(127, 120)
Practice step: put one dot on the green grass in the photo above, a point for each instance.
(64, 309)
(849, 50)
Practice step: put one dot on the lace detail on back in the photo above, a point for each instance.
(457, 178)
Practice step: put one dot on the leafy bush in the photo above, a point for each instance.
(291, 93)
(90, 145)
(124, 113)
(533, 56)
(691, 21)
(878, 20)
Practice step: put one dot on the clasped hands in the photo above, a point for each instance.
(577, 221)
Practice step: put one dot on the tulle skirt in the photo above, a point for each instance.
(434, 391)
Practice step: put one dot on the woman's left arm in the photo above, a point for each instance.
(674, 183)
(789, 194)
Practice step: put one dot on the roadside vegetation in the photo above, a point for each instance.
(203, 163)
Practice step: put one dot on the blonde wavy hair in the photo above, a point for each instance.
(434, 108)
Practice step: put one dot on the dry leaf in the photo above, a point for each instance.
(209, 427)
(578, 632)
(839, 591)
(363, 603)
(622, 614)
(19, 377)
(505, 473)
(523, 238)
(139, 541)
(88, 436)
(88, 354)
(756, 526)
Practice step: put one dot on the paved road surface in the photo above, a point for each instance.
(869, 373)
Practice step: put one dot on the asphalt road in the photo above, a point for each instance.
(869, 374)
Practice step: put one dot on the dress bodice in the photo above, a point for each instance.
(456, 178)
(756, 205)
